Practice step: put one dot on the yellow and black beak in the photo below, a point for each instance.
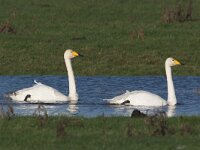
(177, 62)
(75, 54)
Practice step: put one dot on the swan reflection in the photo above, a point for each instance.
(171, 111)
(73, 109)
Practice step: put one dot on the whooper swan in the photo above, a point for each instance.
(144, 98)
(41, 93)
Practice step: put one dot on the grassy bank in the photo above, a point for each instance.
(117, 37)
(100, 133)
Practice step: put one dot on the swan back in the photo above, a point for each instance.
(139, 98)
(39, 93)
(118, 99)
(144, 98)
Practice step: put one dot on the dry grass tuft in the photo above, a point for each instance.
(2, 113)
(60, 129)
(8, 114)
(7, 28)
(138, 34)
(185, 129)
(67, 122)
(129, 130)
(179, 13)
(157, 125)
(41, 114)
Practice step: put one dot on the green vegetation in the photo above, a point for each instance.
(100, 133)
(117, 37)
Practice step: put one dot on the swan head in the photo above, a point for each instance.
(172, 62)
(69, 54)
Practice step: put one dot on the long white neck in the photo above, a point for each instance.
(171, 92)
(72, 85)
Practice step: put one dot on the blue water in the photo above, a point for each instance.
(92, 91)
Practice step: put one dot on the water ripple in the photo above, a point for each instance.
(92, 91)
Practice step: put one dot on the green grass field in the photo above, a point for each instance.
(117, 37)
(99, 133)
(105, 31)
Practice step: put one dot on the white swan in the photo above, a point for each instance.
(41, 93)
(144, 98)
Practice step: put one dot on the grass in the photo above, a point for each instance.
(117, 37)
(99, 133)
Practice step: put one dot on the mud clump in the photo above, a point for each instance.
(137, 113)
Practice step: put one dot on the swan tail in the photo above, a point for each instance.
(121, 99)
(9, 95)
(35, 81)
(116, 100)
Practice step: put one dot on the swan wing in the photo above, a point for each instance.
(139, 98)
(38, 93)
(118, 99)
(144, 98)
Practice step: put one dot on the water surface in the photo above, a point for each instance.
(92, 91)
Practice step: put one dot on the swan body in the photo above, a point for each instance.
(139, 98)
(144, 98)
(41, 93)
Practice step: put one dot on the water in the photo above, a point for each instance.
(92, 91)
